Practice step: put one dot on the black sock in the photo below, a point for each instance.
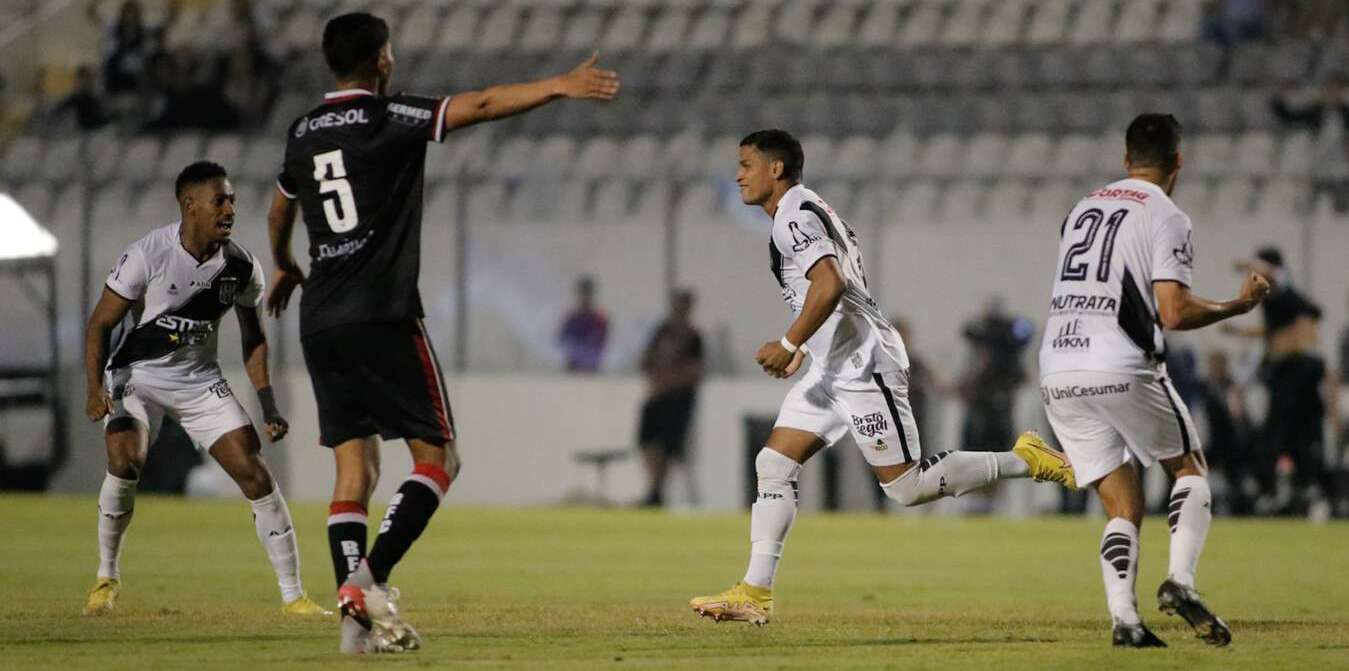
(346, 537)
(409, 512)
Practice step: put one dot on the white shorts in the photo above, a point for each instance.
(1103, 420)
(875, 410)
(205, 412)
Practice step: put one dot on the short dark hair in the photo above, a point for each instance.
(1153, 141)
(351, 43)
(779, 145)
(197, 173)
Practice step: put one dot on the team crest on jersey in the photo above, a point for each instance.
(1185, 253)
(871, 425)
(229, 289)
(801, 240)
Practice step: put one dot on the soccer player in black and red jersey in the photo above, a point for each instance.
(355, 165)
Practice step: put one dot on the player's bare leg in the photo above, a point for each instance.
(365, 593)
(239, 454)
(1189, 515)
(1121, 495)
(778, 466)
(127, 442)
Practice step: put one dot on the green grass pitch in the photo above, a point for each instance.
(591, 589)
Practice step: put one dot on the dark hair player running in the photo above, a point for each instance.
(355, 165)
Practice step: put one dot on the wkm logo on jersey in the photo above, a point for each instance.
(1070, 337)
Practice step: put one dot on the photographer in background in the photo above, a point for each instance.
(989, 384)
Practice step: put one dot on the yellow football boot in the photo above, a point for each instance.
(305, 606)
(742, 603)
(1046, 463)
(103, 596)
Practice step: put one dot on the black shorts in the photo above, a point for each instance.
(379, 377)
(665, 422)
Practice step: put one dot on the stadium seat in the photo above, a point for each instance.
(155, 206)
(1297, 155)
(1007, 199)
(486, 203)
(752, 26)
(963, 202)
(302, 30)
(986, 155)
(922, 26)
(1049, 22)
(227, 150)
(879, 25)
(1138, 21)
(1234, 198)
(871, 205)
(917, 203)
(1094, 23)
(962, 26)
(611, 201)
(835, 29)
(60, 160)
(1281, 199)
(1255, 154)
(839, 193)
(262, 158)
(598, 157)
(1006, 23)
(468, 152)
(498, 30)
(112, 213)
(542, 30)
(421, 31)
(627, 30)
(1181, 21)
(683, 155)
(1210, 155)
(899, 155)
(1108, 164)
(640, 158)
(1028, 155)
(1052, 200)
(718, 159)
(140, 162)
(1075, 156)
(460, 29)
(710, 30)
(183, 149)
(442, 204)
(653, 203)
(1216, 110)
(512, 160)
(855, 158)
(24, 154)
(696, 205)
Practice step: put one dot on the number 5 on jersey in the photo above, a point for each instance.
(331, 174)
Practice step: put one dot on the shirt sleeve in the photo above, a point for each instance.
(1173, 250)
(803, 239)
(251, 296)
(130, 276)
(420, 117)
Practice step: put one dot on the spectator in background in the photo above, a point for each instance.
(1325, 113)
(128, 44)
(673, 364)
(584, 330)
(990, 382)
(179, 96)
(1232, 21)
(1228, 442)
(85, 103)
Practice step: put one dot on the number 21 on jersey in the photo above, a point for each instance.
(1076, 271)
(331, 174)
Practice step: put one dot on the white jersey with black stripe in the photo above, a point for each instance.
(857, 341)
(1114, 244)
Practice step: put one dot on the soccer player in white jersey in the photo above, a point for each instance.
(169, 291)
(857, 383)
(1122, 276)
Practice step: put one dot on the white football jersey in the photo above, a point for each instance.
(1114, 244)
(170, 334)
(857, 340)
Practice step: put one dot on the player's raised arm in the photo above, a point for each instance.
(585, 82)
(280, 226)
(109, 312)
(255, 351)
(1180, 310)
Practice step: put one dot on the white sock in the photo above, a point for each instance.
(271, 518)
(116, 502)
(771, 516)
(1189, 516)
(952, 474)
(1119, 569)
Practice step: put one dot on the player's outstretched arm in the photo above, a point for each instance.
(109, 312)
(826, 289)
(254, 341)
(585, 82)
(280, 226)
(1180, 310)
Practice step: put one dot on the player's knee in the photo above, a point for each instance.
(904, 489)
(125, 466)
(777, 474)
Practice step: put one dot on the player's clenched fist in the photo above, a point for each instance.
(1254, 289)
(98, 404)
(588, 81)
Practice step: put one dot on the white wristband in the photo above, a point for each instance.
(787, 345)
